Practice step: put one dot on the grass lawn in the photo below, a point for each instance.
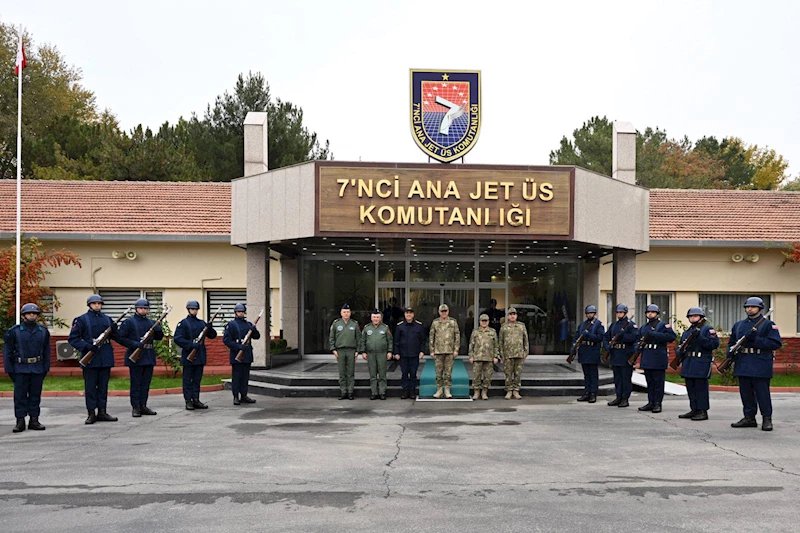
(76, 383)
(779, 380)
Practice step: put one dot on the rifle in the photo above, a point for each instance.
(615, 340)
(675, 363)
(200, 338)
(638, 351)
(86, 359)
(137, 353)
(240, 356)
(577, 345)
(724, 365)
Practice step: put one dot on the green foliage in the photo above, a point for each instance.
(167, 351)
(720, 354)
(590, 149)
(277, 346)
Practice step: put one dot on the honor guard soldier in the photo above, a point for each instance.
(696, 362)
(234, 337)
(410, 340)
(484, 353)
(753, 363)
(85, 329)
(376, 344)
(514, 349)
(445, 340)
(130, 334)
(623, 335)
(187, 332)
(343, 339)
(589, 353)
(655, 357)
(26, 359)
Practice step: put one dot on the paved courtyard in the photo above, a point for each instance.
(301, 465)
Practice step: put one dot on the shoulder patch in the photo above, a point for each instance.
(418, 322)
(774, 326)
(399, 323)
(75, 323)
(667, 326)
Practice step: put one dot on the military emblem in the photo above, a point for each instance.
(445, 112)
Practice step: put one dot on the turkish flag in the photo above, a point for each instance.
(21, 62)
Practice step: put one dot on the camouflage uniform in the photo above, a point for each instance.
(483, 348)
(376, 342)
(513, 351)
(445, 340)
(344, 337)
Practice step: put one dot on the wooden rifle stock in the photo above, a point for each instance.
(137, 353)
(86, 359)
(577, 345)
(614, 341)
(675, 363)
(638, 351)
(193, 354)
(724, 365)
(247, 338)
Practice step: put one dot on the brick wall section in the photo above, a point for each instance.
(789, 354)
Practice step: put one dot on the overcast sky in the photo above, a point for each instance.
(723, 68)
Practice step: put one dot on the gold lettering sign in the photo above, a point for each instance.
(444, 201)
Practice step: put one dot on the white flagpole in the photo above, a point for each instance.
(19, 174)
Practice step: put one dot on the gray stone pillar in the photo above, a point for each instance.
(255, 143)
(624, 280)
(290, 302)
(623, 152)
(258, 298)
(591, 284)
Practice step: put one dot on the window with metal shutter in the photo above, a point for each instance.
(227, 299)
(115, 302)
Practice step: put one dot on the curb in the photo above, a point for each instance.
(728, 388)
(153, 392)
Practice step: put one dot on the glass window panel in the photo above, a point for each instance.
(493, 303)
(391, 302)
(494, 271)
(391, 271)
(442, 271)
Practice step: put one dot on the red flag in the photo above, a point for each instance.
(21, 62)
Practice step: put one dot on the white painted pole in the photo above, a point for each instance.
(19, 175)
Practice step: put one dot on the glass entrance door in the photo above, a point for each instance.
(426, 300)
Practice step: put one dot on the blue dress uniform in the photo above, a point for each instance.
(26, 359)
(753, 366)
(186, 332)
(655, 359)
(410, 338)
(235, 332)
(130, 334)
(85, 329)
(589, 355)
(619, 353)
(696, 366)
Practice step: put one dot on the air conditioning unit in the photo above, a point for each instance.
(65, 352)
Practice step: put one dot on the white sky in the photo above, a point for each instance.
(723, 68)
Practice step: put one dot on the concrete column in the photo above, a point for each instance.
(623, 152)
(624, 280)
(591, 285)
(255, 143)
(290, 302)
(258, 298)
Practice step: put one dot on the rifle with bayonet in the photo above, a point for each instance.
(679, 357)
(615, 340)
(724, 365)
(103, 337)
(247, 338)
(577, 344)
(200, 338)
(137, 353)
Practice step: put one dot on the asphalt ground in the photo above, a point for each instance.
(306, 465)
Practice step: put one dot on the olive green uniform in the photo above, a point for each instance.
(483, 349)
(377, 342)
(445, 340)
(344, 337)
(513, 350)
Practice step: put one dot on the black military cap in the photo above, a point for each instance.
(376, 312)
(345, 306)
(408, 310)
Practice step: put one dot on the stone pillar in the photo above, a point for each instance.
(624, 280)
(591, 285)
(623, 152)
(258, 298)
(290, 302)
(255, 143)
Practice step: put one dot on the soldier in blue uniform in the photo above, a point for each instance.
(130, 334)
(655, 356)
(696, 363)
(589, 353)
(85, 329)
(410, 339)
(753, 364)
(235, 332)
(26, 359)
(187, 332)
(624, 333)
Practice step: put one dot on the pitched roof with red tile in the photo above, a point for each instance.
(724, 215)
(118, 208)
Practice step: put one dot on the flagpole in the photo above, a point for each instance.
(19, 177)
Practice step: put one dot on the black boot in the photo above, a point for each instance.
(199, 405)
(700, 415)
(746, 422)
(766, 424)
(615, 401)
(414, 393)
(103, 416)
(92, 418)
(584, 398)
(373, 397)
(383, 396)
(343, 395)
(646, 407)
(657, 407)
(136, 412)
(351, 396)
(404, 396)
(690, 414)
(237, 401)
(146, 410)
(592, 398)
(20, 427)
(623, 403)
(189, 405)
(35, 425)
(247, 399)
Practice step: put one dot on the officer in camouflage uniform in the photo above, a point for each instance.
(375, 345)
(484, 352)
(514, 349)
(445, 340)
(343, 339)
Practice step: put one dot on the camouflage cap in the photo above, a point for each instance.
(511, 310)
(484, 316)
(444, 307)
